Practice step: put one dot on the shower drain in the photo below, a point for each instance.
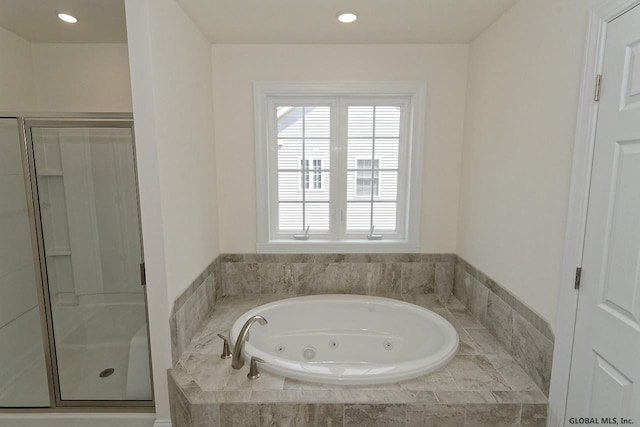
(107, 372)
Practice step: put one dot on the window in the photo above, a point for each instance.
(316, 184)
(338, 166)
(365, 183)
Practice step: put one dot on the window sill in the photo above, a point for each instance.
(331, 246)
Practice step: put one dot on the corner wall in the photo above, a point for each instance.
(524, 77)
(17, 91)
(57, 77)
(172, 92)
(81, 77)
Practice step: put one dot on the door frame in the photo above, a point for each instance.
(583, 147)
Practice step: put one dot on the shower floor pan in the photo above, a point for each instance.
(94, 338)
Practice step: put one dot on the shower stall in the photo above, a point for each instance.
(73, 316)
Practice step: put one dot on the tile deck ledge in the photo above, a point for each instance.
(482, 373)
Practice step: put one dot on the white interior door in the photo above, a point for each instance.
(605, 368)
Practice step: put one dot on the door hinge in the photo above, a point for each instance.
(598, 87)
(143, 275)
(576, 285)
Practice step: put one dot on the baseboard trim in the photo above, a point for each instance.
(162, 423)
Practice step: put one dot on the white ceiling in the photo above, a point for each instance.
(314, 21)
(266, 21)
(99, 21)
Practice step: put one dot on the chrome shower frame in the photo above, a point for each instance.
(84, 120)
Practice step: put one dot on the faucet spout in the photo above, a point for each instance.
(237, 360)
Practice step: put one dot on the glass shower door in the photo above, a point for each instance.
(91, 238)
(23, 374)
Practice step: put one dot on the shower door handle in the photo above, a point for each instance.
(143, 275)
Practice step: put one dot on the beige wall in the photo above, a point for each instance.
(17, 92)
(235, 67)
(185, 137)
(81, 77)
(53, 77)
(524, 77)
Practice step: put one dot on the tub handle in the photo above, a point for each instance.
(253, 368)
(226, 351)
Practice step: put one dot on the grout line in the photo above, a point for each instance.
(446, 370)
(520, 415)
(454, 381)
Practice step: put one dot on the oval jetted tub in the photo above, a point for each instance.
(348, 339)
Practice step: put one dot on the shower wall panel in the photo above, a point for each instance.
(87, 203)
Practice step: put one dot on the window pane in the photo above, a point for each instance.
(317, 216)
(317, 122)
(318, 150)
(387, 121)
(318, 177)
(358, 149)
(388, 185)
(351, 185)
(317, 174)
(289, 153)
(304, 173)
(290, 217)
(360, 183)
(358, 216)
(387, 151)
(289, 122)
(360, 122)
(290, 186)
(384, 216)
(367, 180)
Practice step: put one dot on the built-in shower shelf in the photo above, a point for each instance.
(58, 252)
(50, 172)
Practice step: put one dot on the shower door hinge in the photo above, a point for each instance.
(576, 285)
(596, 97)
(143, 275)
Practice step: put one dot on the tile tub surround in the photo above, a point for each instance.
(524, 334)
(305, 274)
(482, 385)
(428, 276)
(192, 308)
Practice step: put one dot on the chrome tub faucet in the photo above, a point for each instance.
(237, 360)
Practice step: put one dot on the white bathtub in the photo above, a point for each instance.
(348, 339)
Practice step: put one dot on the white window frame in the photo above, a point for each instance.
(267, 95)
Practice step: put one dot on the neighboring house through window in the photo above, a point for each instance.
(311, 176)
(339, 166)
(367, 178)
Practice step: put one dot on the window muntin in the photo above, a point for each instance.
(340, 219)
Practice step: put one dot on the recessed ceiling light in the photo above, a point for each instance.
(67, 18)
(347, 16)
